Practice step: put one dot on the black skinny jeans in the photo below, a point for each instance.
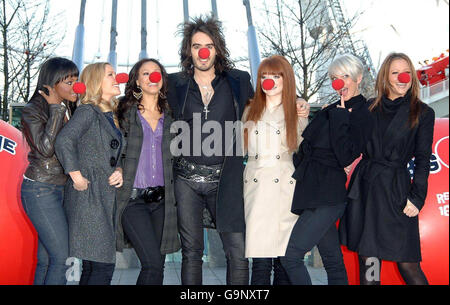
(143, 225)
(95, 273)
(192, 197)
(262, 272)
(316, 227)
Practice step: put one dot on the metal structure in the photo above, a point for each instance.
(359, 48)
(143, 54)
(78, 52)
(78, 49)
(333, 20)
(253, 48)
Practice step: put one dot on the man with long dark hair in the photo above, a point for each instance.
(209, 92)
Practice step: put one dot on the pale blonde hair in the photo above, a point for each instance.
(92, 76)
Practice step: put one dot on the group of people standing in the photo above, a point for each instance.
(103, 175)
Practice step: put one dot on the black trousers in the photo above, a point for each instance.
(191, 198)
(316, 227)
(95, 273)
(262, 272)
(143, 225)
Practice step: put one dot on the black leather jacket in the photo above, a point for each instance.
(41, 124)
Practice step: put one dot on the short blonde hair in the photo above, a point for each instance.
(92, 76)
(346, 64)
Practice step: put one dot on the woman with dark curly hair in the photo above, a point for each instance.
(146, 202)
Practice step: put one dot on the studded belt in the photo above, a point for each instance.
(197, 172)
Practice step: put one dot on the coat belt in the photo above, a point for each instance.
(354, 191)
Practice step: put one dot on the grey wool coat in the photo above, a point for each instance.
(88, 143)
(133, 132)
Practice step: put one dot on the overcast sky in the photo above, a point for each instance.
(419, 28)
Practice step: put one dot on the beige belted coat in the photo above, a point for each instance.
(268, 186)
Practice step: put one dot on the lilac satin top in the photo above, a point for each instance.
(150, 170)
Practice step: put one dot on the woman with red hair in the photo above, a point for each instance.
(274, 125)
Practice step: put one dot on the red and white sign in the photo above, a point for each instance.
(18, 238)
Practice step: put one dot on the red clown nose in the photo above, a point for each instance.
(268, 84)
(155, 77)
(338, 84)
(122, 78)
(79, 88)
(404, 78)
(204, 53)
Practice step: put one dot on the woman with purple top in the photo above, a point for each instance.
(147, 215)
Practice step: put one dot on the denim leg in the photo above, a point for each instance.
(190, 224)
(330, 251)
(143, 226)
(299, 244)
(43, 204)
(99, 273)
(310, 229)
(237, 264)
(280, 277)
(261, 271)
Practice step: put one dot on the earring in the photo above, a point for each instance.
(138, 95)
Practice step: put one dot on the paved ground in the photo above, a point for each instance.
(211, 276)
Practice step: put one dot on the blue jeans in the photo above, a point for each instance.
(316, 227)
(43, 204)
(192, 197)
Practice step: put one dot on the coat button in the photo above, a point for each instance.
(113, 162)
(277, 180)
(292, 182)
(246, 181)
(278, 132)
(257, 132)
(278, 157)
(256, 157)
(115, 144)
(255, 180)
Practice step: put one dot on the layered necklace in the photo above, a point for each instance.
(207, 93)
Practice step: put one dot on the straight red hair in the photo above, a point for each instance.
(277, 65)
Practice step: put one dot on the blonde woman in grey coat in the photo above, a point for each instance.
(89, 149)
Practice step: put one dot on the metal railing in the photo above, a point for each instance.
(426, 93)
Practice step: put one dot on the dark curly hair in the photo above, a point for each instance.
(211, 27)
(127, 101)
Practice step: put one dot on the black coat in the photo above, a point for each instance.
(333, 140)
(374, 224)
(230, 201)
(132, 130)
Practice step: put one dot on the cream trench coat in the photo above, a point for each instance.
(268, 186)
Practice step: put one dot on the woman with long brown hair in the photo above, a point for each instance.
(332, 141)
(147, 215)
(381, 221)
(273, 135)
